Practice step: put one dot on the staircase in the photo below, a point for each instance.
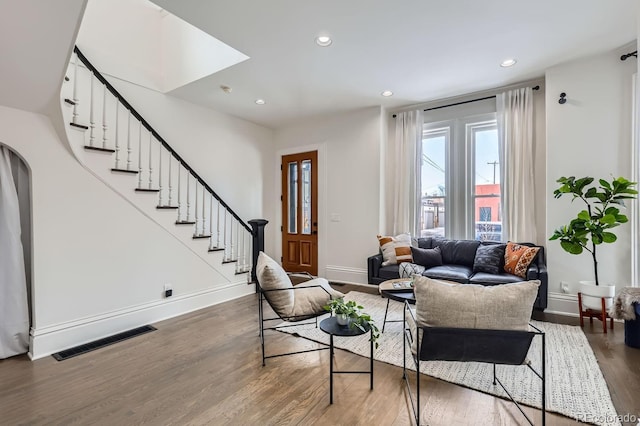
(123, 150)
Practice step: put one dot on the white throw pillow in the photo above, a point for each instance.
(395, 249)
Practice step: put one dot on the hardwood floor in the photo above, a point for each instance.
(204, 368)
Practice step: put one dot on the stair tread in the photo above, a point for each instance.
(230, 261)
(196, 237)
(147, 190)
(99, 149)
(79, 126)
(216, 249)
(166, 207)
(184, 222)
(124, 171)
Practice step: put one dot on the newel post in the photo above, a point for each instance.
(257, 226)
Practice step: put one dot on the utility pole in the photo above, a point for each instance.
(494, 163)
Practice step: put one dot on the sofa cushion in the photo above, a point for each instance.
(389, 272)
(395, 249)
(425, 242)
(489, 258)
(457, 252)
(457, 273)
(493, 279)
(427, 257)
(517, 258)
(503, 307)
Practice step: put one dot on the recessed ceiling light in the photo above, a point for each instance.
(508, 62)
(387, 93)
(260, 101)
(323, 41)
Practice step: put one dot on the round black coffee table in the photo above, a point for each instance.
(332, 328)
(399, 289)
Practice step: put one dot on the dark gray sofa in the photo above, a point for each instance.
(458, 260)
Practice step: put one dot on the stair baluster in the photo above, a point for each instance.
(170, 183)
(188, 197)
(76, 101)
(204, 216)
(224, 238)
(140, 156)
(210, 221)
(104, 116)
(244, 252)
(196, 212)
(150, 159)
(129, 149)
(218, 227)
(179, 193)
(159, 174)
(117, 136)
(92, 122)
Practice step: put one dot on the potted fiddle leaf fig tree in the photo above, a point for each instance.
(593, 225)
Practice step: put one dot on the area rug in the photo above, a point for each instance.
(575, 385)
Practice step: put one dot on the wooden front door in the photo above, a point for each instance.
(300, 212)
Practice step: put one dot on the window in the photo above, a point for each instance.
(433, 182)
(460, 178)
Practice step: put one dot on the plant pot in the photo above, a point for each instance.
(342, 319)
(592, 294)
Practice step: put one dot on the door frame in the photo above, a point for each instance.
(322, 202)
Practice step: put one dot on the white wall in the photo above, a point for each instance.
(590, 135)
(349, 188)
(540, 164)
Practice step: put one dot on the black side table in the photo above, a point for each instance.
(398, 289)
(332, 328)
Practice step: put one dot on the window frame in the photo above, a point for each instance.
(460, 169)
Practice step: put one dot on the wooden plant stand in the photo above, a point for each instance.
(601, 314)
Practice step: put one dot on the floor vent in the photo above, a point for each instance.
(101, 343)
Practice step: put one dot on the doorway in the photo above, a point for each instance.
(300, 212)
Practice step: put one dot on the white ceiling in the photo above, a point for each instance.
(420, 49)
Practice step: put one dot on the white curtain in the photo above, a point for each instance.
(14, 311)
(515, 134)
(634, 206)
(406, 157)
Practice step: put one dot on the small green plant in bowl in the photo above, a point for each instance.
(349, 312)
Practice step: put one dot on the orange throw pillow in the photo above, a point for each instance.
(517, 258)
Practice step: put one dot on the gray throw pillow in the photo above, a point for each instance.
(489, 258)
(427, 257)
(271, 276)
(498, 307)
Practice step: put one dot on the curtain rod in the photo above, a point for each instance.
(628, 55)
(466, 102)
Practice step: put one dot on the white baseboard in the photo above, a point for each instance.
(562, 304)
(346, 274)
(45, 341)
